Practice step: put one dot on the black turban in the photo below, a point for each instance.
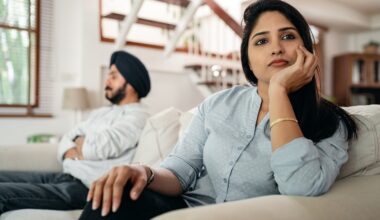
(133, 70)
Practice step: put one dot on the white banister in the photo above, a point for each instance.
(127, 24)
(182, 26)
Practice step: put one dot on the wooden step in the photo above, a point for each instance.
(148, 22)
(182, 3)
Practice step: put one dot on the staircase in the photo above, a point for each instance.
(211, 35)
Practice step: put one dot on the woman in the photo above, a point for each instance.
(278, 136)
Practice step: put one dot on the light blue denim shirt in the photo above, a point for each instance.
(223, 156)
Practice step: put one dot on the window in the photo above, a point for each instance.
(26, 58)
(18, 53)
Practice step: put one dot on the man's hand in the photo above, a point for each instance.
(79, 146)
(72, 153)
(75, 153)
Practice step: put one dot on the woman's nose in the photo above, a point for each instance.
(276, 48)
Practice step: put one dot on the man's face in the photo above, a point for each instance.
(115, 86)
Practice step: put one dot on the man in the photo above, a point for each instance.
(107, 138)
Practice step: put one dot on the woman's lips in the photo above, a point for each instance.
(278, 63)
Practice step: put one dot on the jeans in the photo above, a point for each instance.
(147, 206)
(40, 190)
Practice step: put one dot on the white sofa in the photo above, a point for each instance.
(356, 195)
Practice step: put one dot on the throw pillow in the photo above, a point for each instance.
(158, 137)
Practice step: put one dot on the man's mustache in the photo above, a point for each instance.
(108, 88)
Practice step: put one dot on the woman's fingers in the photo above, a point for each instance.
(310, 62)
(98, 191)
(300, 58)
(138, 187)
(90, 193)
(118, 187)
(107, 192)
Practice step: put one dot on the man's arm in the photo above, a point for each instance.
(68, 141)
(114, 140)
(75, 152)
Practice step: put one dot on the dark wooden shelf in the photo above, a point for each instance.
(347, 67)
(158, 24)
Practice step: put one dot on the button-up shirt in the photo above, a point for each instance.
(224, 156)
(110, 138)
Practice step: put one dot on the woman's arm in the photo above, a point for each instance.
(300, 166)
(288, 80)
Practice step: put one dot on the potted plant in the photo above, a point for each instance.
(371, 47)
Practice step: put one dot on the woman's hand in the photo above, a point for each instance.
(297, 75)
(108, 190)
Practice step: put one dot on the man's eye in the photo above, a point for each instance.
(288, 37)
(261, 42)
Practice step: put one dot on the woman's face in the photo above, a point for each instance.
(272, 45)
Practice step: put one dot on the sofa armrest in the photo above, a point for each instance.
(349, 199)
(29, 157)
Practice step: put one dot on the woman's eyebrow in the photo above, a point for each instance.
(280, 30)
(259, 33)
(286, 29)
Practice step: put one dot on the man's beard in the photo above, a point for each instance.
(120, 94)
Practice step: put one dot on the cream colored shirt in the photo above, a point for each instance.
(111, 135)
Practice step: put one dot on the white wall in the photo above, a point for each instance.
(335, 43)
(78, 58)
(358, 40)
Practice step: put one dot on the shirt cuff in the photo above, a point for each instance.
(182, 170)
(64, 146)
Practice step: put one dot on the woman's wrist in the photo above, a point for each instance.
(276, 89)
(149, 175)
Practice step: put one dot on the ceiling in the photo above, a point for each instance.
(363, 6)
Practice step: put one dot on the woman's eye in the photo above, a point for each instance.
(288, 37)
(261, 42)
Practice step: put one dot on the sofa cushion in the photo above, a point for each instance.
(158, 137)
(364, 155)
(184, 121)
(29, 157)
(40, 214)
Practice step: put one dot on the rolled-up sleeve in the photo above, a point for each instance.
(186, 160)
(67, 141)
(303, 168)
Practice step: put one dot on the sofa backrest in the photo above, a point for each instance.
(364, 152)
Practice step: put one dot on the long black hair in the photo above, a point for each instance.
(318, 118)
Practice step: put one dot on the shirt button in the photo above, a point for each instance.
(225, 180)
(231, 163)
(248, 136)
(240, 148)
